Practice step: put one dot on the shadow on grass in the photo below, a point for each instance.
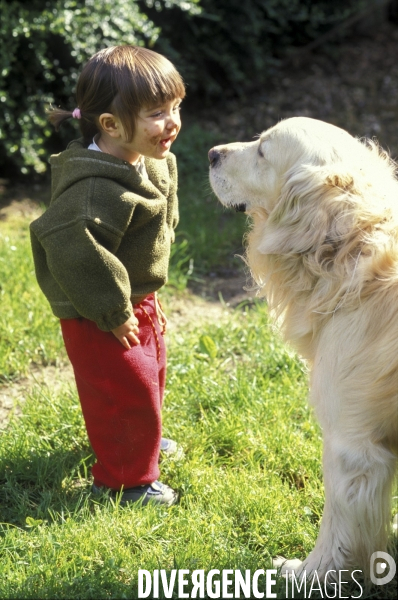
(101, 583)
(42, 484)
(105, 582)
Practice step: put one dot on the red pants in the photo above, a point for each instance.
(121, 395)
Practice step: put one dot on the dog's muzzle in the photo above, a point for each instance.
(214, 158)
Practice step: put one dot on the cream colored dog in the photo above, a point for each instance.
(323, 250)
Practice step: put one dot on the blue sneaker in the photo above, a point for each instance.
(154, 493)
(170, 448)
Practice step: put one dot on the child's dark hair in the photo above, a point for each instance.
(121, 80)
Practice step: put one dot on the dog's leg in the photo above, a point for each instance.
(358, 478)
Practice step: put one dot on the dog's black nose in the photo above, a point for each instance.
(214, 155)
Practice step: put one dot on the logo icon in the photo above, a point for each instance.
(382, 568)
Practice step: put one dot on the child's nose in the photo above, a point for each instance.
(173, 120)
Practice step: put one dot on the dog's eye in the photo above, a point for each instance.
(260, 152)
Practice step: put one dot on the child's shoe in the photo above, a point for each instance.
(154, 493)
(170, 448)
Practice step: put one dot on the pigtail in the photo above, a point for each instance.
(57, 116)
(87, 125)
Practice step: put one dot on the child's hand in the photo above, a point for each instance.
(127, 332)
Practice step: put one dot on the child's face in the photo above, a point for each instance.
(156, 129)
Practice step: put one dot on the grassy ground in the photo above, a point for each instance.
(243, 496)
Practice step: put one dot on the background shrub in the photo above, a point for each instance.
(232, 45)
(44, 45)
(222, 48)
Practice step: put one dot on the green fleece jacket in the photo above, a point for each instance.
(104, 241)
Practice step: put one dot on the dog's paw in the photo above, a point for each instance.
(286, 566)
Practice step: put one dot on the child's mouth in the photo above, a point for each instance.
(166, 142)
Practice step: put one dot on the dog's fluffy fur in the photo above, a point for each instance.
(323, 250)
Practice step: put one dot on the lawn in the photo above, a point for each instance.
(250, 480)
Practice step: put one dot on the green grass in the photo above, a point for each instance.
(29, 334)
(252, 455)
(250, 482)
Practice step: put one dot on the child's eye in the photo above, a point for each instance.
(158, 114)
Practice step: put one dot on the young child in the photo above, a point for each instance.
(101, 252)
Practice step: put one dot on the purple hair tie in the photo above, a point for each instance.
(77, 114)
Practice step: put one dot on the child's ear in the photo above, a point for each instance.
(110, 124)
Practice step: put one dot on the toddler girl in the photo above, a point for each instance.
(101, 252)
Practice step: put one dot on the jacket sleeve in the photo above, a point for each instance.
(80, 257)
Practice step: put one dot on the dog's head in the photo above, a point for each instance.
(307, 181)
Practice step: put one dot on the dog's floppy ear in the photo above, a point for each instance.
(307, 210)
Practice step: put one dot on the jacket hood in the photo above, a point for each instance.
(77, 163)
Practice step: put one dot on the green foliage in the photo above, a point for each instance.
(44, 45)
(233, 45)
(222, 47)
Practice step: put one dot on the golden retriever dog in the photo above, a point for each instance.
(323, 250)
